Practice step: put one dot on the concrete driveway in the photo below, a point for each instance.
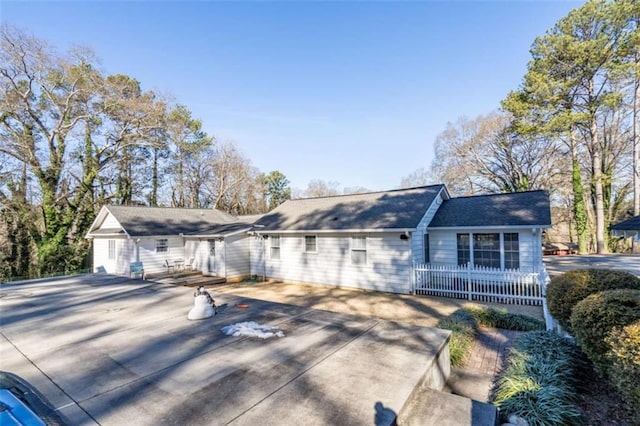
(622, 262)
(108, 350)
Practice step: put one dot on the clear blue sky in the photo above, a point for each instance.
(353, 92)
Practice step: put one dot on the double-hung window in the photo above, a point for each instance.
(274, 244)
(310, 244)
(464, 255)
(511, 251)
(358, 250)
(162, 245)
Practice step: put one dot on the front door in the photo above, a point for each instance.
(211, 257)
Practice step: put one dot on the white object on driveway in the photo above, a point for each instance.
(252, 329)
(202, 309)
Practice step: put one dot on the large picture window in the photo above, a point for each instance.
(358, 250)
(492, 250)
(310, 244)
(274, 244)
(486, 250)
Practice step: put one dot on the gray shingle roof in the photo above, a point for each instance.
(397, 209)
(632, 224)
(148, 221)
(530, 208)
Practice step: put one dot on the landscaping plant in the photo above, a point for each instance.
(539, 380)
(566, 290)
(624, 359)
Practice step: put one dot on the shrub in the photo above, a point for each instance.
(566, 290)
(594, 319)
(538, 382)
(500, 318)
(624, 360)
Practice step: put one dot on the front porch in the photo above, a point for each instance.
(187, 278)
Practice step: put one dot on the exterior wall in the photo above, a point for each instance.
(388, 265)
(155, 262)
(123, 255)
(417, 237)
(256, 253)
(237, 263)
(109, 222)
(444, 251)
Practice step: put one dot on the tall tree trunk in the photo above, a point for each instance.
(579, 208)
(596, 163)
(636, 147)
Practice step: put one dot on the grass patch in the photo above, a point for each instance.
(464, 324)
(539, 382)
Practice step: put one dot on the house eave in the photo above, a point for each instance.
(336, 231)
(481, 227)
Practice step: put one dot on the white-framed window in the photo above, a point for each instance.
(358, 250)
(274, 244)
(162, 245)
(112, 249)
(310, 244)
(493, 250)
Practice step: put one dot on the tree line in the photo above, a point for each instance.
(572, 127)
(73, 139)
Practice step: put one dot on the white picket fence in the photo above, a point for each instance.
(484, 284)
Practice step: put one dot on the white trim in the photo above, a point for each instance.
(222, 235)
(338, 231)
(487, 228)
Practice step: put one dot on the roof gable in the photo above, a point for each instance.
(531, 208)
(397, 209)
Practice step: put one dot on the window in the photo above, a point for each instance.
(274, 243)
(492, 250)
(511, 251)
(486, 250)
(426, 249)
(310, 244)
(358, 250)
(162, 246)
(464, 256)
(112, 249)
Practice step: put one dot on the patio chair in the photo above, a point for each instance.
(189, 265)
(136, 270)
(170, 266)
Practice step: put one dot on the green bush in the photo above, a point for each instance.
(500, 318)
(624, 360)
(594, 319)
(566, 290)
(539, 380)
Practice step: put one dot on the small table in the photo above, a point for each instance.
(178, 264)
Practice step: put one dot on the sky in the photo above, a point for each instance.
(348, 92)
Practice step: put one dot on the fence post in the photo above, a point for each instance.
(469, 280)
(414, 271)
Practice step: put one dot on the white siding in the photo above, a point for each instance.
(123, 255)
(237, 263)
(417, 237)
(155, 262)
(109, 222)
(444, 249)
(388, 262)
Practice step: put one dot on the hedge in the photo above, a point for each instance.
(566, 290)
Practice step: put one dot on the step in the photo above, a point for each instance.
(433, 407)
